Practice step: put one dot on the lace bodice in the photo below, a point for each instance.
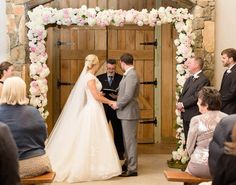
(89, 77)
(200, 134)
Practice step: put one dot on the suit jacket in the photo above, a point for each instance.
(225, 173)
(127, 102)
(189, 95)
(228, 92)
(105, 85)
(221, 134)
(8, 158)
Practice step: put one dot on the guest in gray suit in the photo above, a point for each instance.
(128, 112)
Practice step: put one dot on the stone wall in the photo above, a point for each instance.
(204, 29)
(15, 10)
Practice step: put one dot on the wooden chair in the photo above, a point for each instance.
(45, 178)
(180, 176)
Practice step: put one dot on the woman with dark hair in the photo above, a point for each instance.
(6, 70)
(201, 131)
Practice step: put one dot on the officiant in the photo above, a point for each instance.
(110, 83)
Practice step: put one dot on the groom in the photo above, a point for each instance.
(128, 112)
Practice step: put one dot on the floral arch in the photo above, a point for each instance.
(42, 16)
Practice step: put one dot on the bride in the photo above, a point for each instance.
(81, 147)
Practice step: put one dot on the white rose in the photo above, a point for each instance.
(184, 159)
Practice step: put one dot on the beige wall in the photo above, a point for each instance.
(225, 33)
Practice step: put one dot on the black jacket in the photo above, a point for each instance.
(221, 134)
(228, 92)
(189, 95)
(226, 169)
(8, 158)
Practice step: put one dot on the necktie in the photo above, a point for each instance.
(110, 78)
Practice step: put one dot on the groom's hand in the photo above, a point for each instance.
(114, 106)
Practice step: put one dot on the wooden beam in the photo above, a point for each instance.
(178, 4)
(33, 3)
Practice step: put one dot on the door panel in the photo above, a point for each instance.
(77, 43)
(85, 40)
(168, 88)
(127, 39)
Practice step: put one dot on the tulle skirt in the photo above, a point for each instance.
(86, 150)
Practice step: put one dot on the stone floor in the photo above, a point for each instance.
(152, 161)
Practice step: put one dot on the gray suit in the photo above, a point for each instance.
(128, 112)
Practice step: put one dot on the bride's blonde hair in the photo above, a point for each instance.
(91, 60)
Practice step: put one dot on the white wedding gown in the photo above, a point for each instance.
(81, 147)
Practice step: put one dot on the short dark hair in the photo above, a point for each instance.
(111, 61)
(211, 97)
(127, 58)
(4, 66)
(230, 52)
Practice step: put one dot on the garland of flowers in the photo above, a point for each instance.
(42, 16)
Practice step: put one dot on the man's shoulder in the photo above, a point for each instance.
(102, 75)
(203, 79)
(228, 120)
(202, 75)
(118, 75)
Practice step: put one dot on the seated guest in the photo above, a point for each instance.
(201, 131)
(226, 165)
(6, 70)
(8, 157)
(230, 147)
(27, 127)
(216, 147)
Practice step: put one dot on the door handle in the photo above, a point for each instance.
(59, 83)
(154, 43)
(149, 121)
(150, 82)
(59, 43)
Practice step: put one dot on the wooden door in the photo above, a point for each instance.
(168, 83)
(76, 44)
(129, 39)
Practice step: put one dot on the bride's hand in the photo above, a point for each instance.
(111, 103)
(102, 93)
(114, 105)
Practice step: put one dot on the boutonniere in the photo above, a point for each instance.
(195, 77)
(229, 71)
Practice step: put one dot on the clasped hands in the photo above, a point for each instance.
(113, 105)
